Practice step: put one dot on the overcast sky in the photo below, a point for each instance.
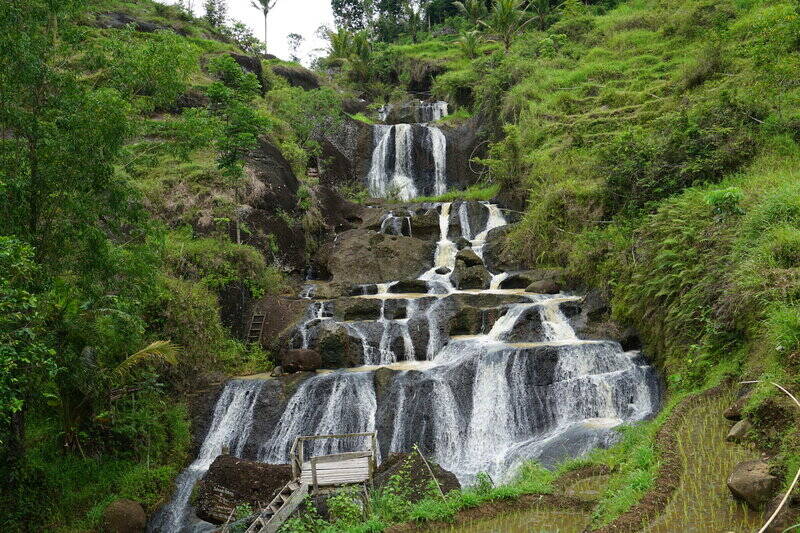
(288, 16)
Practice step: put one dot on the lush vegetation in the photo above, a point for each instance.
(653, 146)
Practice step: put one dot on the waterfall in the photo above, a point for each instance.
(432, 111)
(394, 170)
(230, 428)
(523, 387)
(323, 405)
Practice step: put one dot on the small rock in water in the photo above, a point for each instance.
(462, 243)
(752, 482)
(544, 286)
(739, 431)
(443, 270)
(409, 286)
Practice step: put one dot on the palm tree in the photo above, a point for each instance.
(474, 10)
(506, 20)
(468, 43)
(264, 6)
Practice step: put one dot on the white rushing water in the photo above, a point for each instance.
(230, 428)
(523, 387)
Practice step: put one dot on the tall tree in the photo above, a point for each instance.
(264, 6)
(216, 12)
(507, 20)
(295, 41)
(474, 10)
(349, 14)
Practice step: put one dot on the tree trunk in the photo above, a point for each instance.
(266, 14)
(16, 440)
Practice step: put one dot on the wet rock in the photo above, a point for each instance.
(338, 348)
(426, 226)
(467, 219)
(362, 290)
(630, 339)
(495, 256)
(416, 474)
(361, 256)
(413, 286)
(281, 316)
(297, 76)
(735, 411)
(474, 320)
(358, 309)
(474, 277)
(469, 258)
(739, 431)
(443, 270)
(752, 482)
(462, 243)
(124, 516)
(347, 149)
(528, 328)
(231, 482)
(486, 299)
(465, 141)
(788, 516)
(545, 286)
(329, 291)
(301, 361)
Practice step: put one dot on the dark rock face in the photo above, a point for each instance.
(354, 105)
(426, 226)
(416, 286)
(361, 256)
(752, 482)
(300, 361)
(469, 258)
(281, 315)
(463, 143)
(192, 98)
(495, 256)
(347, 147)
(474, 277)
(297, 76)
(545, 286)
(115, 20)
(474, 320)
(231, 482)
(124, 516)
(253, 65)
(337, 347)
(413, 470)
(474, 215)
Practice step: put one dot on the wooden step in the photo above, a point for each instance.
(293, 485)
(274, 507)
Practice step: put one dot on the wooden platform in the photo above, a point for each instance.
(337, 469)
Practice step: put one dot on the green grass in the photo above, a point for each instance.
(474, 193)
(361, 117)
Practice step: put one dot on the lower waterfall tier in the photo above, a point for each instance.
(487, 410)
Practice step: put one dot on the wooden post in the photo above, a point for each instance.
(314, 474)
(300, 455)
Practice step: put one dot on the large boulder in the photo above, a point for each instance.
(545, 286)
(301, 360)
(471, 320)
(752, 482)
(336, 345)
(426, 226)
(469, 257)
(253, 65)
(358, 309)
(739, 431)
(297, 76)
(467, 219)
(524, 279)
(361, 256)
(281, 316)
(474, 277)
(464, 142)
(124, 516)
(414, 473)
(231, 482)
(409, 286)
(495, 255)
(347, 148)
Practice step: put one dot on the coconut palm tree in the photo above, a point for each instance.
(474, 10)
(264, 6)
(506, 20)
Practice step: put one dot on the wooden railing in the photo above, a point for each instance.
(297, 453)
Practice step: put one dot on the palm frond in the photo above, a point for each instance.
(158, 352)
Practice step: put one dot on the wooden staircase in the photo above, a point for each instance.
(280, 508)
(256, 326)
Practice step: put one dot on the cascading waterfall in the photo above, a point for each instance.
(395, 170)
(230, 428)
(477, 403)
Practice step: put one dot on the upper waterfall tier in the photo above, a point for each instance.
(409, 160)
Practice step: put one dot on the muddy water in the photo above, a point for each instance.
(703, 503)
